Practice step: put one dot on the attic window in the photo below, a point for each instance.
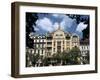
(56, 34)
(67, 37)
(75, 36)
(61, 35)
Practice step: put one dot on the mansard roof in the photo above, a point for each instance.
(37, 36)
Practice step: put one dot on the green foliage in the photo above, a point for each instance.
(87, 58)
(71, 57)
(74, 55)
(45, 61)
(33, 58)
(61, 58)
(30, 21)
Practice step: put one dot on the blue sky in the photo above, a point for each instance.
(50, 22)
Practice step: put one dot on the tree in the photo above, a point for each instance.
(60, 58)
(31, 58)
(30, 21)
(87, 58)
(74, 56)
(57, 58)
(86, 30)
(35, 58)
(45, 61)
(28, 59)
(64, 57)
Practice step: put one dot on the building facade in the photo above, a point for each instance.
(54, 42)
(59, 41)
(39, 45)
(84, 48)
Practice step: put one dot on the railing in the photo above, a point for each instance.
(49, 45)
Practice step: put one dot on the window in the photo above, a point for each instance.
(34, 40)
(54, 49)
(75, 39)
(37, 40)
(59, 43)
(34, 50)
(37, 46)
(38, 51)
(63, 48)
(68, 36)
(44, 45)
(44, 40)
(41, 45)
(42, 51)
(68, 43)
(61, 35)
(54, 43)
(81, 52)
(87, 47)
(56, 34)
(63, 42)
(82, 47)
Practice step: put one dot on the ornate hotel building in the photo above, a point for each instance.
(55, 42)
(59, 41)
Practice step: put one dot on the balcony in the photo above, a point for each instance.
(49, 40)
(49, 45)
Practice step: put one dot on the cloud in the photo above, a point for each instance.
(49, 22)
(36, 29)
(55, 25)
(61, 16)
(67, 23)
(52, 22)
(44, 24)
(55, 15)
(81, 26)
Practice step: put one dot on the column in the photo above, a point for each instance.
(56, 45)
(61, 45)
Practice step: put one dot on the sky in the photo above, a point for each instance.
(50, 22)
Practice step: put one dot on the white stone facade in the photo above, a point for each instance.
(57, 41)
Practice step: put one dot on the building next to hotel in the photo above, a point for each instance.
(84, 49)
